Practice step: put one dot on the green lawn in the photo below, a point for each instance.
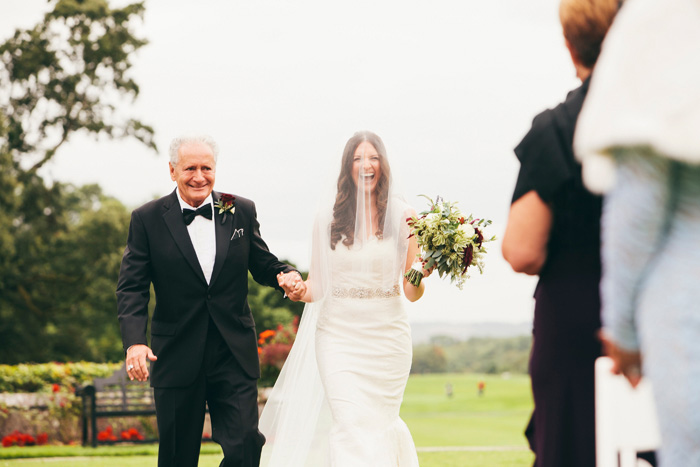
(495, 419)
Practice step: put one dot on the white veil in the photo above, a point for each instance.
(296, 419)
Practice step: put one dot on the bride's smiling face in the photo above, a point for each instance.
(366, 166)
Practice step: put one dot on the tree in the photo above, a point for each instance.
(429, 359)
(61, 302)
(60, 246)
(68, 74)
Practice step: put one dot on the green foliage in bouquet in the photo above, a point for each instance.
(449, 242)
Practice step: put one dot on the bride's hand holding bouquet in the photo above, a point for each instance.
(449, 242)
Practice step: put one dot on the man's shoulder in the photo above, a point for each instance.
(156, 205)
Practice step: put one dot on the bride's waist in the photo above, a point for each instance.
(364, 293)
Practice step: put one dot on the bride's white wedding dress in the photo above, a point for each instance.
(363, 350)
(354, 368)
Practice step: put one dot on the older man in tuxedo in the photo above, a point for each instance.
(196, 247)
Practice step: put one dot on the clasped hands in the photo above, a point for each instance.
(292, 284)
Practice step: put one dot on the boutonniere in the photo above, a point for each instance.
(225, 205)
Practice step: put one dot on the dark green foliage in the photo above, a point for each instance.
(476, 355)
(60, 246)
(58, 300)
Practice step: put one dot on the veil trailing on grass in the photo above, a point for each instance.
(297, 419)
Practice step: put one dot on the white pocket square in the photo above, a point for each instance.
(237, 233)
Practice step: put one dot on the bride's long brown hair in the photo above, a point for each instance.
(345, 207)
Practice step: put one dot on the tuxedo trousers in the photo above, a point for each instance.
(232, 397)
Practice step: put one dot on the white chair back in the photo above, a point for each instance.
(626, 421)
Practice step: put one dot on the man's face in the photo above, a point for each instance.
(194, 172)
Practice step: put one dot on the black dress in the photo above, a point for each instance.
(567, 310)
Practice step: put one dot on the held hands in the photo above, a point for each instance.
(136, 365)
(625, 362)
(292, 284)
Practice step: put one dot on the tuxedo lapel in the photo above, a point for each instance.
(173, 219)
(224, 230)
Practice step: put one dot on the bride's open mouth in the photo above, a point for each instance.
(368, 177)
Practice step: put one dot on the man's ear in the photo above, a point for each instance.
(172, 171)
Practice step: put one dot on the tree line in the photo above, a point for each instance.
(493, 355)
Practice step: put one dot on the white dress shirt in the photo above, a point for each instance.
(203, 236)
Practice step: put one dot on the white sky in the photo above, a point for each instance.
(451, 87)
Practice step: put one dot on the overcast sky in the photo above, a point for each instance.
(450, 86)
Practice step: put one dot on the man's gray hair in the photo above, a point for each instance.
(179, 141)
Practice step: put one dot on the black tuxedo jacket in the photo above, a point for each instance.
(159, 251)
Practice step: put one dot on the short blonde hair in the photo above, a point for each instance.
(585, 23)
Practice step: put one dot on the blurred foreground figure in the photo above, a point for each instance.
(637, 139)
(554, 231)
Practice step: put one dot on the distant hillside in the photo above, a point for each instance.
(422, 332)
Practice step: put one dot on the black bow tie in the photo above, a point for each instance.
(189, 214)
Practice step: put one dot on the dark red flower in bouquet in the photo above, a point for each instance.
(55, 387)
(479, 237)
(468, 256)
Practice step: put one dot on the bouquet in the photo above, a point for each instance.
(449, 242)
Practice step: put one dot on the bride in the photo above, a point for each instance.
(337, 399)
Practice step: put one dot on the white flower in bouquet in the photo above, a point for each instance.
(467, 229)
(449, 242)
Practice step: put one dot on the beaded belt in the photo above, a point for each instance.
(366, 292)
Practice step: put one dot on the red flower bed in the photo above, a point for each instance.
(17, 438)
(132, 434)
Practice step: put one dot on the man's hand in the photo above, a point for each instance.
(292, 284)
(136, 364)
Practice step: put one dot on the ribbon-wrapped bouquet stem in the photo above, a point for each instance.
(449, 242)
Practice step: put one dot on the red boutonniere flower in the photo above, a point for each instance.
(225, 205)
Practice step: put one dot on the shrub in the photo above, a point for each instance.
(273, 349)
(42, 377)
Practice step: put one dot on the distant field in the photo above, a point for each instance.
(496, 419)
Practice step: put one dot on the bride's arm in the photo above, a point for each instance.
(412, 292)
